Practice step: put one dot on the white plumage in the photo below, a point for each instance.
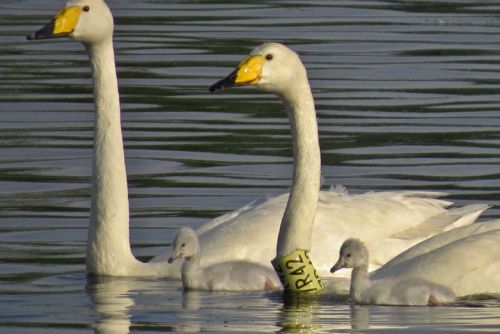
(249, 233)
(465, 259)
(389, 221)
(224, 276)
(390, 291)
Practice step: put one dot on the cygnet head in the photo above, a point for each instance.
(86, 21)
(353, 254)
(271, 67)
(185, 245)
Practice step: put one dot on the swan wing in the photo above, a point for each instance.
(467, 265)
(250, 234)
(381, 219)
(439, 240)
(452, 219)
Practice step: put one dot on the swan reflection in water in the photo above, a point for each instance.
(298, 314)
(323, 313)
(111, 299)
(152, 304)
(116, 300)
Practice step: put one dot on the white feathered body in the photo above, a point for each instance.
(229, 276)
(410, 292)
(223, 276)
(388, 222)
(395, 290)
(395, 220)
(466, 260)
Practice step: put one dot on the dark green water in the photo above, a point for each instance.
(407, 97)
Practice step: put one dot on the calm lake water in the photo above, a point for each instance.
(408, 97)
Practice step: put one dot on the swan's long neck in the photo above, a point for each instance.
(296, 226)
(192, 274)
(108, 246)
(359, 281)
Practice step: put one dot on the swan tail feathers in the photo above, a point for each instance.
(426, 198)
(466, 215)
(425, 194)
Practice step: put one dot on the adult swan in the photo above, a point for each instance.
(464, 259)
(247, 234)
(387, 221)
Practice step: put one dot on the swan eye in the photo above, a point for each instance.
(348, 255)
(86, 8)
(183, 245)
(269, 56)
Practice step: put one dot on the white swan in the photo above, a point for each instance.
(108, 247)
(277, 69)
(393, 291)
(247, 234)
(392, 219)
(465, 259)
(224, 276)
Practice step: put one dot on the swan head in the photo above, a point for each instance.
(271, 67)
(86, 21)
(353, 254)
(185, 245)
